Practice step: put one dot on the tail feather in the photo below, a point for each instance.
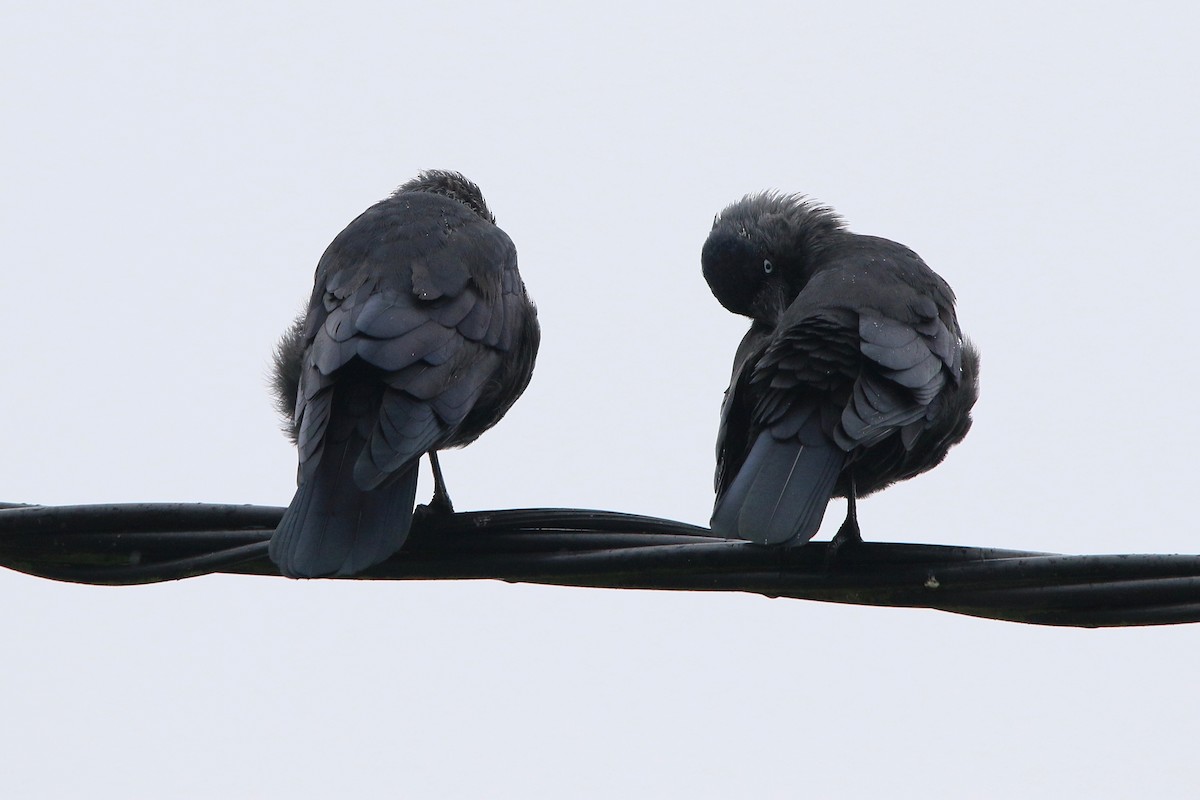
(780, 493)
(334, 528)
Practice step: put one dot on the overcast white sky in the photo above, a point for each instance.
(171, 176)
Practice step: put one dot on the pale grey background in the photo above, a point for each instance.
(171, 176)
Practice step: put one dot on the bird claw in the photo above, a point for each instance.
(439, 505)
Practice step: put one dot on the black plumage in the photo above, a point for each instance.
(854, 373)
(419, 337)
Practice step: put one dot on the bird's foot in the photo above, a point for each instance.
(439, 505)
(848, 537)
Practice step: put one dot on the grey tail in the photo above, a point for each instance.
(334, 528)
(780, 493)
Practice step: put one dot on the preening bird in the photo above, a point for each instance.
(418, 337)
(854, 373)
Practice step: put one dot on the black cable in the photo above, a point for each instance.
(150, 542)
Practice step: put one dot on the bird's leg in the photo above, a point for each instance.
(441, 498)
(849, 533)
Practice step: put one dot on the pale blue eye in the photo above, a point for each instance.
(768, 267)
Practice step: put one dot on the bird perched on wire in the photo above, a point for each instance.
(419, 337)
(854, 373)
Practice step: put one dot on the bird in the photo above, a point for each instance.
(854, 373)
(418, 337)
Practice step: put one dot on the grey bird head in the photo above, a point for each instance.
(763, 249)
(449, 184)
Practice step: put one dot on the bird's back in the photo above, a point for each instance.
(418, 336)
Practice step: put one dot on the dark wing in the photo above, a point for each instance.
(733, 435)
(790, 465)
(877, 338)
(423, 309)
(914, 402)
